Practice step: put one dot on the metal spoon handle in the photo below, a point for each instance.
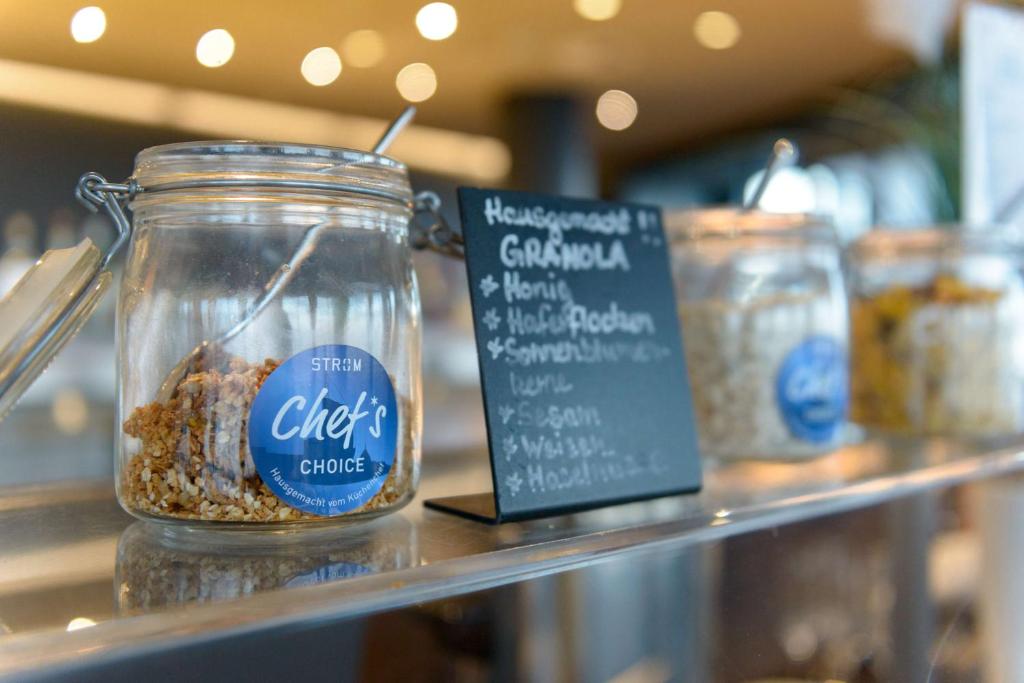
(282, 276)
(280, 279)
(394, 129)
(782, 151)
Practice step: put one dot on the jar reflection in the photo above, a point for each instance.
(159, 567)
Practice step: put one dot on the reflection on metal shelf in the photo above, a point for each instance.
(417, 555)
(158, 569)
(43, 567)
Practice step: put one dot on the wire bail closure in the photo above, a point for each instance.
(428, 228)
(94, 192)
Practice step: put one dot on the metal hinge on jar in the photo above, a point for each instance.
(95, 193)
(430, 230)
(64, 287)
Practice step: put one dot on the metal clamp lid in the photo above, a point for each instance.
(434, 233)
(52, 301)
(93, 191)
(44, 310)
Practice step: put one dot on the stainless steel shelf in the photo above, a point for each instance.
(69, 552)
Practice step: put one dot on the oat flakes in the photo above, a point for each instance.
(193, 460)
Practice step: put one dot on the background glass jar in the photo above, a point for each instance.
(763, 309)
(308, 411)
(938, 331)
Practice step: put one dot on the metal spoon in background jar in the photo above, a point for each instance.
(722, 283)
(280, 279)
(783, 152)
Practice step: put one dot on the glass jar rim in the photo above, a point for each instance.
(726, 222)
(893, 241)
(336, 155)
(275, 166)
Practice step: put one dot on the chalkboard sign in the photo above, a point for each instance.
(581, 361)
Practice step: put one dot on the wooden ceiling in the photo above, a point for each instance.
(789, 50)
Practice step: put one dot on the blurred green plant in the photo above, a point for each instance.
(920, 108)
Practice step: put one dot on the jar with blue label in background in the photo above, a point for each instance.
(763, 309)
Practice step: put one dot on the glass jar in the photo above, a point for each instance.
(763, 309)
(268, 329)
(938, 331)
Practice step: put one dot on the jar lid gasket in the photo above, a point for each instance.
(277, 184)
(937, 240)
(227, 164)
(728, 222)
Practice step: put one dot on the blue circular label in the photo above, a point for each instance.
(812, 389)
(323, 429)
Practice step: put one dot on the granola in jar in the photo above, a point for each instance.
(737, 354)
(194, 462)
(938, 358)
(763, 309)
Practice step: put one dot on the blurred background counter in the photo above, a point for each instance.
(674, 104)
